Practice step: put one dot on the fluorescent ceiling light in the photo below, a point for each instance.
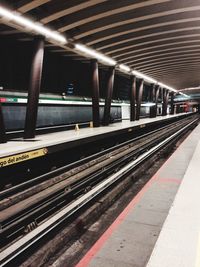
(17, 18)
(148, 104)
(25, 24)
(92, 53)
(183, 94)
(124, 68)
(151, 80)
(143, 76)
(167, 87)
(191, 88)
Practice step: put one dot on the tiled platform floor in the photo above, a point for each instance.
(51, 139)
(129, 241)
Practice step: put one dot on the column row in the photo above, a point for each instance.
(136, 93)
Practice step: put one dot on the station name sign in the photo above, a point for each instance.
(6, 161)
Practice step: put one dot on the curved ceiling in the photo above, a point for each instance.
(160, 38)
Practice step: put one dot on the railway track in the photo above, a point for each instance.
(29, 214)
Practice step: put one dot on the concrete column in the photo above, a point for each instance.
(139, 99)
(108, 99)
(172, 104)
(152, 99)
(165, 101)
(132, 98)
(153, 92)
(95, 93)
(34, 88)
(157, 90)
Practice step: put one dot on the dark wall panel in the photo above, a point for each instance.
(53, 115)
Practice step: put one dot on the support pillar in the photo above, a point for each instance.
(132, 98)
(177, 108)
(95, 93)
(2, 127)
(172, 104)
(139, 99)
(108, 98)
(152, 98)
(163, 95)
(157, 90)
(149, 94)
(153, 92)
(167, 100)
(164, 104)
(34, 88)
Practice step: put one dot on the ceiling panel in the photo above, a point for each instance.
(159, 37)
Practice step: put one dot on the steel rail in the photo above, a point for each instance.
(30, 239)
(14, 224)
(62, 195)
(17, 188)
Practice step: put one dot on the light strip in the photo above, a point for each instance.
(143, 76)
(183, 94)
(191, 88)
(16, 18)
(124, 68)
(167, 87)
(92, 53)
(29, 25)
(151, 80)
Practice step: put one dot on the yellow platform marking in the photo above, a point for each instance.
(76, 127)
(142, 125)
(6, 161)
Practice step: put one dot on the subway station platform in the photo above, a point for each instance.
(163, 217)
(179, 242)
(66, 139)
